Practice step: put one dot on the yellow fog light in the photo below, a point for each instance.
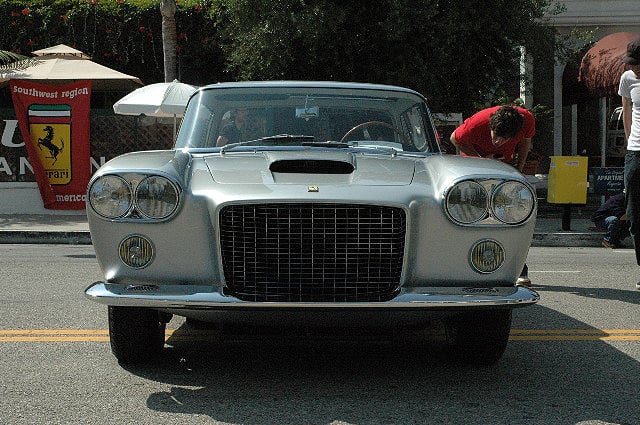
(486, 256)
(136, 251)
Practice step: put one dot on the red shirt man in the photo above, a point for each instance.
(495, 133)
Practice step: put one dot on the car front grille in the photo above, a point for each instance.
(312, 252)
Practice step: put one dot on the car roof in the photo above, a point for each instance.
(310, 84)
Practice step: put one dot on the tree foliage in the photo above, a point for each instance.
(10, 61)
(457, 53)
(125, 35)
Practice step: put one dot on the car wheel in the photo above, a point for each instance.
(136, 334)
(478, 338)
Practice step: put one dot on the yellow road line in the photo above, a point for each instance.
(102, 335)
(575, 335)
(54, 332)
(54, 339)
(66, 335)
(575, 338)
(573, 331)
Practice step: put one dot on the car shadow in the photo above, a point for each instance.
(257, 377)
(630, 296)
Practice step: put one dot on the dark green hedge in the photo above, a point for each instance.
(124, 35)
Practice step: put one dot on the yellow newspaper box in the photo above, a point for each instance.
(567, 181)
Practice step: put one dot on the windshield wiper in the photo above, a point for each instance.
(344, 145)
(327, 144)
(272, 140)
(386, 149)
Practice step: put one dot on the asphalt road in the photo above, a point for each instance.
(572, 359)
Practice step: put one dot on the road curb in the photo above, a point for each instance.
(45, 237)
(572, 239)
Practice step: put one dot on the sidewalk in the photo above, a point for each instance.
(548, 232)
(44, 229)
(74, 229)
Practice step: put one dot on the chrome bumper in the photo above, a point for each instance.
(200, 297)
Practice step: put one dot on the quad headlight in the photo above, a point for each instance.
(111, 196)
(472, 201)
(467, 202)
(156, 197)
(147, 197)
(512, 202)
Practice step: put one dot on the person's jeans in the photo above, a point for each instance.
(616, 229)
(632, 197)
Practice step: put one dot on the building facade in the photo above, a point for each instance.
(581, 127)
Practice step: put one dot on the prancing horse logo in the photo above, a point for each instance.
(47, 142)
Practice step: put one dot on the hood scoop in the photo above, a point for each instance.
(300, 168)
(311, 166)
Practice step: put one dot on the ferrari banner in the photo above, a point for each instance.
(54, 122)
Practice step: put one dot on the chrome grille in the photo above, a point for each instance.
(312, 252)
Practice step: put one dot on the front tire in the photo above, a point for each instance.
(136, 334)
(478, 338)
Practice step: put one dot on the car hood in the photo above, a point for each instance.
(287, 167)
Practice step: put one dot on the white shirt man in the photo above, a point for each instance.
(629, 89)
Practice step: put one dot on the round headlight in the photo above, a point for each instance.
(110, 196)
(136, 251)
(512, 202)
(467, 202)
(156, 197)
(486, 256)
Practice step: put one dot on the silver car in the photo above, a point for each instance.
(310, 202)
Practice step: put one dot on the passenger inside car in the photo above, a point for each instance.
(232, 132)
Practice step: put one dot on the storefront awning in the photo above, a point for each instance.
(601, 66)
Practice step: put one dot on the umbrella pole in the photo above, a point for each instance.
(174, 127)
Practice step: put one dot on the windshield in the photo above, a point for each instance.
(342, 116)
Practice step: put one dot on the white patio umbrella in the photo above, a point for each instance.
(157, 100)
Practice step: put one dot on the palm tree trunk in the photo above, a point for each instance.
(169, 41)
